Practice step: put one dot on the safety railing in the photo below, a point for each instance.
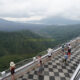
(26, 61)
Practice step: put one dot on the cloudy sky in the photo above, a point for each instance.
(28, 10)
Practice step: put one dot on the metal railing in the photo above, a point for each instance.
(77, 77)
(21, 63)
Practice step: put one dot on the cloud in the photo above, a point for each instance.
(22, 10)
(24, 19)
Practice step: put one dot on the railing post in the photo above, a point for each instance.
(2, 74)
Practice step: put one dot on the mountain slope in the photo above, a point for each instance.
(57, 20)
(21, 42)
(16, 26)
(61, 33)
(20, 45)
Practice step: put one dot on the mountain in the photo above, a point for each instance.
(42, 29)
(57, 20)
(16, 26)
(61, 32)
(47, 22)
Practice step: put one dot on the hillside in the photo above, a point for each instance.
(61, 32)
(19, 45)
(16, 26)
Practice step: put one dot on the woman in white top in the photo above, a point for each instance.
(49, 53)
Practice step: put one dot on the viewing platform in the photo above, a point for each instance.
(53, 69)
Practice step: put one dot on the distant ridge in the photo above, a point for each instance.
(57, 20)
(14, 26)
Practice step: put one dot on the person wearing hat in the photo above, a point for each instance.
(12, 69)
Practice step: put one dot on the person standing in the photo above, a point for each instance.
(12, 70)
(49, 53)
(63, 48)
(65, 56)
(40, 65)
(69, 51)
(66, 46)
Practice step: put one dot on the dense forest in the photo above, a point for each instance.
(61, 32)
(16, 46)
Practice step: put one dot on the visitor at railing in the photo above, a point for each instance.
(40, 64)
(63, 48)
(69, 51)
(65, 56)
(49, 53)
(12, 69)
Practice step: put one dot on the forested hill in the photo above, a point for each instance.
(21, 42)
(16, 26)
(20, 45)
(61, 32)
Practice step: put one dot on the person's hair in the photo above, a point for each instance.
(40, 62)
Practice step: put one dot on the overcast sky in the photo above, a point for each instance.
(26, 10)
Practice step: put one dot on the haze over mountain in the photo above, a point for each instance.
(56, 20)
(14, 26)
(49, 31)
